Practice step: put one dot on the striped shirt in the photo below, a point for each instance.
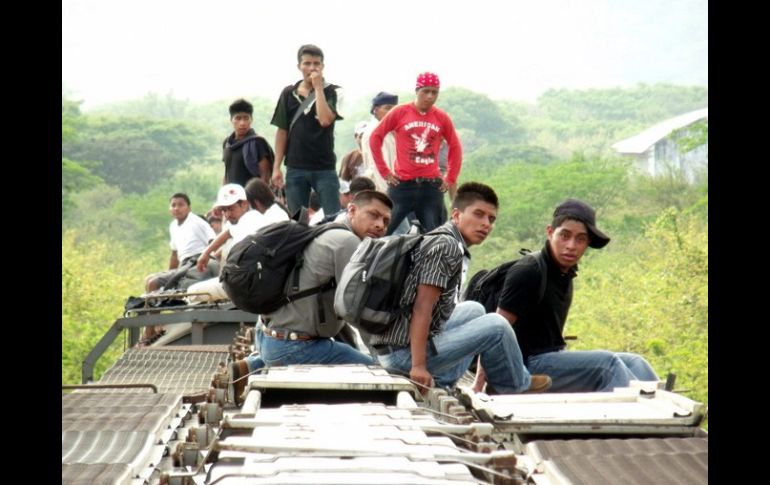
(437, 262)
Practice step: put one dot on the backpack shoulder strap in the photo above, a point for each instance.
(302, 107)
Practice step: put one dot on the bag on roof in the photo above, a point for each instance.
(258, 267)
(369, 290)
(486, 285)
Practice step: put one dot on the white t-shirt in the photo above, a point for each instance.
(388, 153)
(275, 214)
(249, 222)
(191, 237)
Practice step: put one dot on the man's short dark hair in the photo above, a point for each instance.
(361, 183)
(470, 192)
(309, 50)
(180, 195)
(367, 196)
(241, 106)
(257, 190)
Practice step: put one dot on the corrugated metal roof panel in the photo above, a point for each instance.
(626, 461)
(639, 143)
(95, 474)
(105, 446)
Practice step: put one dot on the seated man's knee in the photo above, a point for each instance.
(473, 308)
(152, 283)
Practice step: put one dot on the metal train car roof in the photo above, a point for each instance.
(164, 414)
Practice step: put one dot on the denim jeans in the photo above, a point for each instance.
(276, 352)
(590, 370)
(324, 182)
(423, 198)
(468, 332)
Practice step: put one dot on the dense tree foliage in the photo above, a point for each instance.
(135, 153)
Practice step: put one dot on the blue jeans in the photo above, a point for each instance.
(324, 182)
(590, 370)
(275, 352)
(468, 332)
(423, 198)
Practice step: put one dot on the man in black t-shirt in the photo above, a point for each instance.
(539, 319)
(305, 115)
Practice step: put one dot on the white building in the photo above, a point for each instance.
(657, 153)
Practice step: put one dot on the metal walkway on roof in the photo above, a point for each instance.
(184, 369)
(115, 437)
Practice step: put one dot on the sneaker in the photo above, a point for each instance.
(539, 383)
(239, 371)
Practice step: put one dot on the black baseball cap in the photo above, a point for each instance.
(580, 211)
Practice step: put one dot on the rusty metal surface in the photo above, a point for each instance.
(662, 461)
(186, 370)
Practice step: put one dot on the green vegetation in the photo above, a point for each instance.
(646, 292)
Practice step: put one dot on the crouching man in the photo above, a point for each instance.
(435, 340)
(301, 332)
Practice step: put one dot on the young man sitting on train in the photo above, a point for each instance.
(539, 322)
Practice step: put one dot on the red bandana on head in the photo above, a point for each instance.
(427, 79)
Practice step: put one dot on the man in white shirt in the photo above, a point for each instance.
(189, 236)
(232, 200)
(381, 104)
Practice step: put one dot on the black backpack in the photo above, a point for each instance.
(486, 285)
(257, 268)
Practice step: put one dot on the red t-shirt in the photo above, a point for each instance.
(418, 139)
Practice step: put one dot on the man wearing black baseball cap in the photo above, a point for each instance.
(536, 298)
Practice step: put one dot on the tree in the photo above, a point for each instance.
(135, 154)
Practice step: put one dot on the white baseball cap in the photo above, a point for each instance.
(229, 194)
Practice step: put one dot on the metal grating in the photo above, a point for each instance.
(670, 461)
(110, 411)
(96, 474)
(182, 369)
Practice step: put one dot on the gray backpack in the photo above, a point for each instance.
(368, 292)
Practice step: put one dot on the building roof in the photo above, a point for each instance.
(639, 143)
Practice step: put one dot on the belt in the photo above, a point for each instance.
(419, 180)
(384, 349)
(286, 335)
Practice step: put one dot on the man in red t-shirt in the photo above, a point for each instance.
(419, 127)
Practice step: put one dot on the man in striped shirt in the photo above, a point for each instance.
(435, 339)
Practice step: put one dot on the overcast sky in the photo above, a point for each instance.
(516, 49)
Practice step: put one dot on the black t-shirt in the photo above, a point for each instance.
(538, 326)
(310, 146)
